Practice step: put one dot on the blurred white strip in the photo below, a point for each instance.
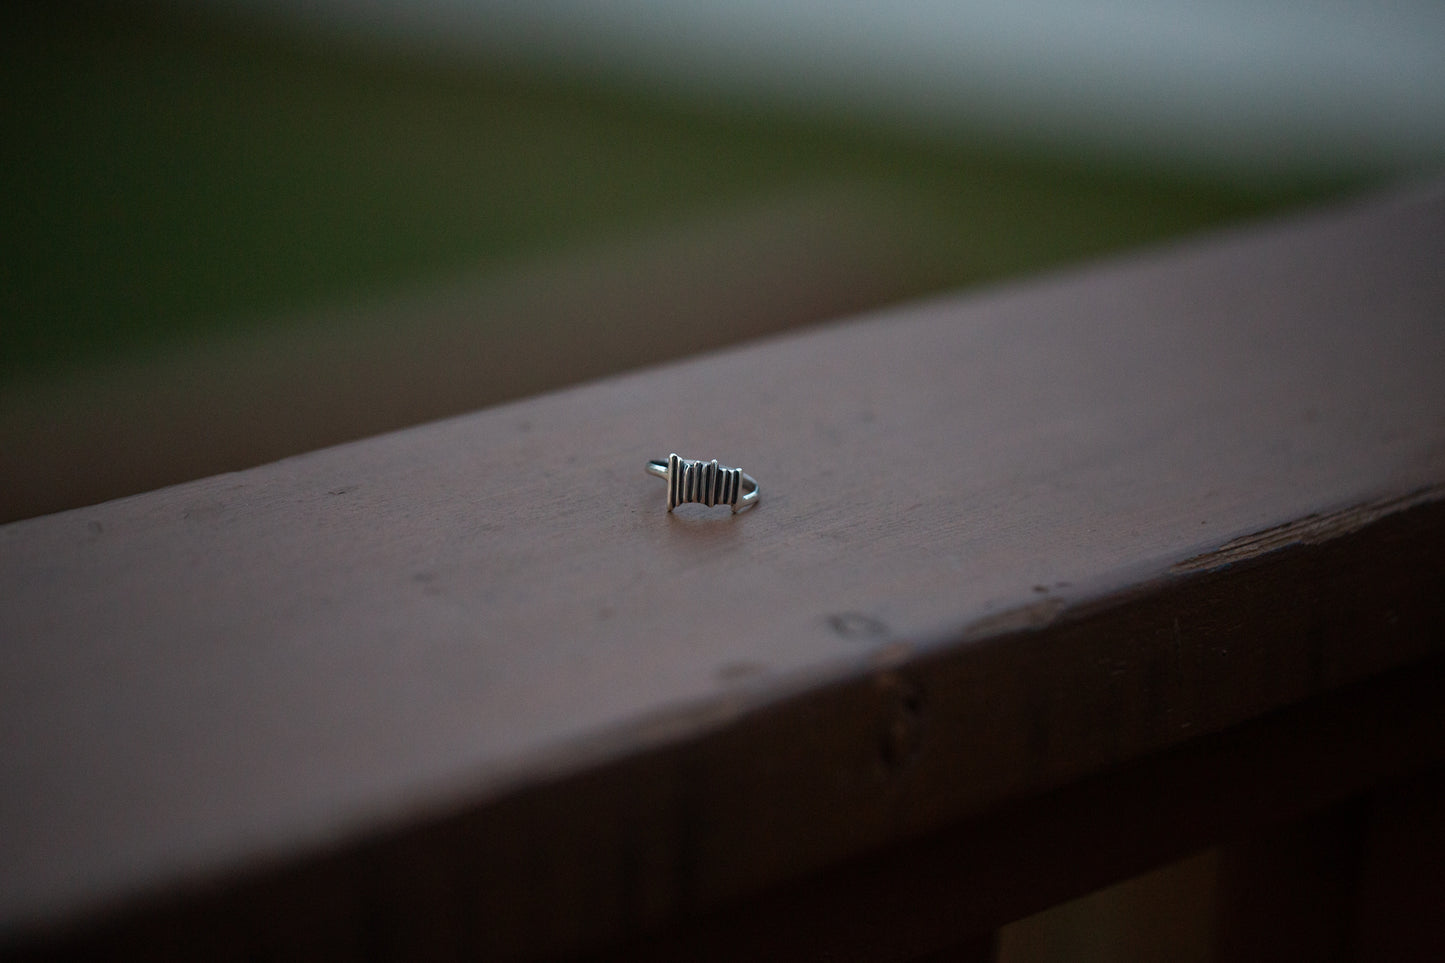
(1267, 88)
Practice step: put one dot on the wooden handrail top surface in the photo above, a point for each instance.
(920, 620)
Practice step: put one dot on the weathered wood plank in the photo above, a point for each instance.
(396, 649)
(973, 875)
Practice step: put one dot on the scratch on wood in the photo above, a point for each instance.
(891, 655)
(1034, 616)
(901, 739)
(857, 625)
(682, 721)
(1311, 530)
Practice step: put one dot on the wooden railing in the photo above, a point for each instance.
(1047, 586)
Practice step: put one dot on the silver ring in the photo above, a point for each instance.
(704, 483)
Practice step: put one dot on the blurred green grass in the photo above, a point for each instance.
(169, 177)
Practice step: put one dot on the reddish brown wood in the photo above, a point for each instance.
(1015, 859)
(467, 688)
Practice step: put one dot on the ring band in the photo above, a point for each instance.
(704, 483)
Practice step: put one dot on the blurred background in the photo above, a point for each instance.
(239, 229)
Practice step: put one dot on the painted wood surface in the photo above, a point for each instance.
(1005, 542)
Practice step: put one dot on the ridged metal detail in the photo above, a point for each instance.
(702, 483)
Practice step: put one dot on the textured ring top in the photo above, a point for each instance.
(704, 483)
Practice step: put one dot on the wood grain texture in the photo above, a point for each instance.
(1005, 542)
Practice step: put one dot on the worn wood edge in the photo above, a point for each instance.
(1310, 530)
(578, 856)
